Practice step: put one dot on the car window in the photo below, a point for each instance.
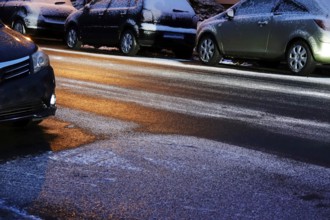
(119, 4)
(290, 7)
(165, 6)
(255, 7)
(99, 4)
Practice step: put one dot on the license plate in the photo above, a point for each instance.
(174, 36)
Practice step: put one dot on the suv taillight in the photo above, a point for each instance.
(325, 25)
(147, 16)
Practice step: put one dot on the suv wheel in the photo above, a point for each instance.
(300, 59)
(208, 51)
(128, 43)
(72, 40)
(19, 26)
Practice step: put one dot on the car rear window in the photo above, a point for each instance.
(165, 6)
(325, 4)
(318, 7)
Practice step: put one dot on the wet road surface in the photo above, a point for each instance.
(146, 138)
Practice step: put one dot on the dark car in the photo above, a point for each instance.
(27, 82)
(132, 24)
(36, 17)
(295, 31)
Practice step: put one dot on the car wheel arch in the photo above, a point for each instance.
(131, 26)
(208, 50)
(297, 39)
(211, 35)
(133, 46)
(19, 20)
(302, 65)
(22, 13)
(78, 40)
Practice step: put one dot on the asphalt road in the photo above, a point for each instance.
(159, 138)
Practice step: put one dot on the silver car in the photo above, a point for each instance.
(297, 31)
(36, 17)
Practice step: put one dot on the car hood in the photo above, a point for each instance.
(14, 45)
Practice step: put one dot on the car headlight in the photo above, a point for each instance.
(40, 60)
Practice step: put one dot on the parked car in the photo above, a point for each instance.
(36, 17)
(132, 24)
(296, 31)
(27, 82)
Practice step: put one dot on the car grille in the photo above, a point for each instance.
(14, 69)
(26, 110)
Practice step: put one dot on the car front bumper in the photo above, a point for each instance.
(28, 98)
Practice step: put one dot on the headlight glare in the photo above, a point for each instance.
(40, 60)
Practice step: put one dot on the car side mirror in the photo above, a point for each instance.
(230, 13)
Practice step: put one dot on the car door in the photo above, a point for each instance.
(114, 18)
(91, 21)
(246, 34)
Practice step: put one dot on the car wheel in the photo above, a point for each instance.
(19, 26)
(300, 59)
(72, 40)
(208, 51)
(128, 43)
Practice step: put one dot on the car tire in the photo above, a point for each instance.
(300, 59)
(183, 53)
(208, 51)
(128, 43)
(19, 26)
(72, 38)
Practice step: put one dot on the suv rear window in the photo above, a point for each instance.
(165, 6)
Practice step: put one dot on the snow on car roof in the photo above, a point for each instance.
(52, 1)
(317, 6)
